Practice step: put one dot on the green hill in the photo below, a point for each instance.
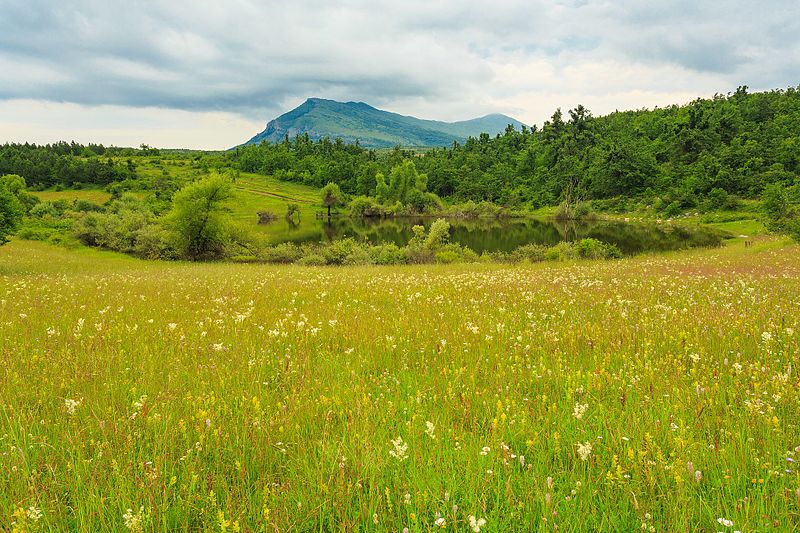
(374, 128)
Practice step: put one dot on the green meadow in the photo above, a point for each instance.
(656, 393)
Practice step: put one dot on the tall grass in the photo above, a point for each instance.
(656, 392)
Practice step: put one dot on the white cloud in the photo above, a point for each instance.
(251, 60)
(46, 122)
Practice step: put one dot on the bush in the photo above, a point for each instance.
(438, 235)
(49, 209)
(85, 206)
(583, 210)
(387, 254)
(528, 252)
(583, 249)
(674, 209)
(363, 206)
(153, 242)
(312, 259)
(358, 256)
(564, 211)
(594, 249)
(455, 253)
(560, 252)
(286, 252)
(447, 256)
(424, 202)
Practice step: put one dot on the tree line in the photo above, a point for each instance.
(64, 164)
(710, 150)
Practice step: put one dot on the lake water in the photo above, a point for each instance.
(502, 235)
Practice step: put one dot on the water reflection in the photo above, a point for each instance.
(501, 235)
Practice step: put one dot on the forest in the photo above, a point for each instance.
(730, 145)
(710, 149)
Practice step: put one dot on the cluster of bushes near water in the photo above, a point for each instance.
(432, 246)
(197, 227)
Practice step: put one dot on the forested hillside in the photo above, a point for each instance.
(711, 151)
(732, 144)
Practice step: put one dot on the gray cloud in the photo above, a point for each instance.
(437, 59)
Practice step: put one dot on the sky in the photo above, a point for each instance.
(210, 74)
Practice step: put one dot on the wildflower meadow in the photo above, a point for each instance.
(653, 393)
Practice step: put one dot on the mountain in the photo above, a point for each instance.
(373, 127)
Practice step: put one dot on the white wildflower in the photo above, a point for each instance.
(584, 450)
(476, 524)
(33, 513)
(400, 451)
(71, 405)
(134, 522)
(579, 410)
(430, 430)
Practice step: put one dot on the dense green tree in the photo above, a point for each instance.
(11, 212)
(199, 221)
(331, 196)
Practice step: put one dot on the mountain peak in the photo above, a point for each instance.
(375, 128)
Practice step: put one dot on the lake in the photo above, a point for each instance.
(501, 235)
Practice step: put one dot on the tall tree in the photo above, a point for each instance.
(331, 196)
(199, 221)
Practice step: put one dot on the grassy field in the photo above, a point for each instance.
(254, 193)
(92, 195)
(657, 392)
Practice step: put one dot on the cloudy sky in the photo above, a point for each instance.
(210, 74)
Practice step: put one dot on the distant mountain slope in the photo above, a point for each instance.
(372, 127)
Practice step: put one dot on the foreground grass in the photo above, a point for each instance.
(220, 397)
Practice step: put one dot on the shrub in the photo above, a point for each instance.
(672, 210)
(286, 252)
(358, 256)
(447, 256)
(528, 252)
(11, 212)
(424, 202)
(455, 253)
(85, 206)
(153, 242)
(583, 210)
(594, 249)
(438, 234)
(363, 206)
(49, 209)
(560, 252)
(564, 212)
(91, 228)
(312, 259)
(337, 252)
(387, 254)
